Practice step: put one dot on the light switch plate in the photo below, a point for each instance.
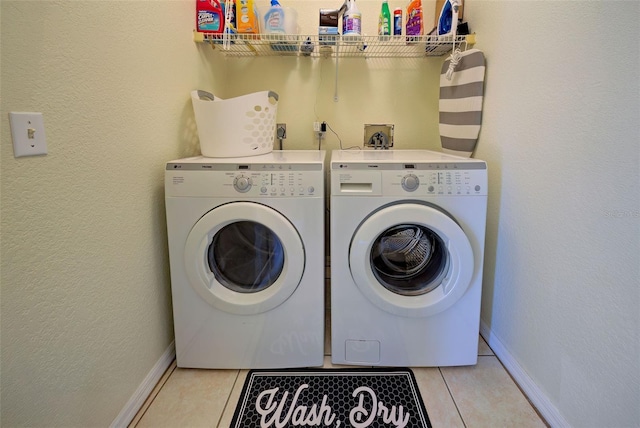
(27, 133)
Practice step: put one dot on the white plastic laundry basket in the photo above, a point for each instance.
(236, 127)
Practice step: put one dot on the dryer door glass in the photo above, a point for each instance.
(409, 259)
(246, 257)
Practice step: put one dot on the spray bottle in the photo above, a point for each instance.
(352, 20)
(414, 20)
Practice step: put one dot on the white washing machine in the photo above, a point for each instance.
(407, 248)
(246, 249)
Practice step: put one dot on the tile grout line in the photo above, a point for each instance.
(154, 393)
(226, 404)
(526, 397)
(452, 397)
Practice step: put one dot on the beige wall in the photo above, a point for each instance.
(402, 91)
(85, 298)
(562, 138)
(86, 309)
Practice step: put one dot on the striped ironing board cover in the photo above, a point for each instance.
(461, 103)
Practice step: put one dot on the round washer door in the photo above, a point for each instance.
(244, 258)
(411, 260)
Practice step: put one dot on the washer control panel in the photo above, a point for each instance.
(289, 183)
(245, 180)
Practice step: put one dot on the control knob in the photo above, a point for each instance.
(242, 184)
(410, 182)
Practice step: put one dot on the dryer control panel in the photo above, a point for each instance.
(420, 179)
(464, 182)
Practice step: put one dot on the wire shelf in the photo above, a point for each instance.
(248, 45)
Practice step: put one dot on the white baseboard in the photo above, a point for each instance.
(150, 381)
(537, 397)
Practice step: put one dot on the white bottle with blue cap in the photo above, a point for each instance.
(274, 19)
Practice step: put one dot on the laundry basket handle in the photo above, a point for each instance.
(202, 95)
(273, 95)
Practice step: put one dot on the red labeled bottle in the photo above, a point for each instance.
(209, 17)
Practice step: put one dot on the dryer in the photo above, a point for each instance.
(246, 251)
(407, 249)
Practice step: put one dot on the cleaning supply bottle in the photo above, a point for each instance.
(247, 17)
(274, 19)
(352, 20)
(414, 20)
(229, 8)
(384, 21)
(209, 17)
(397, 21)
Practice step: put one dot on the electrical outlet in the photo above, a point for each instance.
(27, 133)
(375, 135)
(319, 129)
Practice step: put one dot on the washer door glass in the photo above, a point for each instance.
(246, 256)
(411, 259)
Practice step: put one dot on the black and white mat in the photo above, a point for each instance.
(356, 398)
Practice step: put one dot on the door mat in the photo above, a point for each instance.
(356, 398)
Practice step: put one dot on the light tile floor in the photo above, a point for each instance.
(483, 395)
(479, 396)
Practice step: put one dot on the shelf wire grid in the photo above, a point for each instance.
(248, 45)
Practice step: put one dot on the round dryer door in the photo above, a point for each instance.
(244, 258)
(411, 259)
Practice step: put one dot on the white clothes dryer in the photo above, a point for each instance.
(407, 249)
(246, 250)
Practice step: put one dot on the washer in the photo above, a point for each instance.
(246, 250)
(407, 249)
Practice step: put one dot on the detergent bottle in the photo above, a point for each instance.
(209, 17)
